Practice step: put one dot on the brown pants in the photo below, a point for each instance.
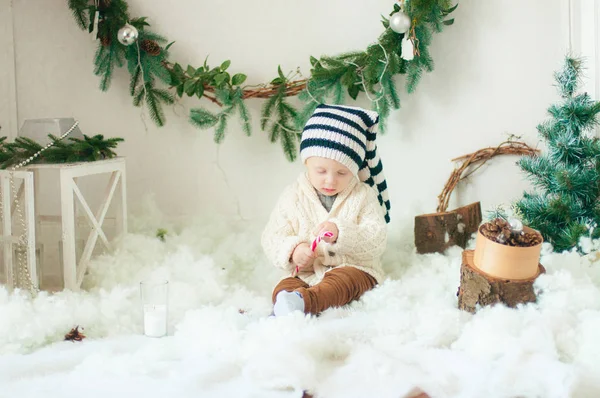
(339, 287)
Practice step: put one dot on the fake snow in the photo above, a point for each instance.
(407, 332)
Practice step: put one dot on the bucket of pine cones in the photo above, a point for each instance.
(507, 251)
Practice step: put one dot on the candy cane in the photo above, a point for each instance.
(314, 245)
(316, 242)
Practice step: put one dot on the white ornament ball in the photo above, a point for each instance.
(515, 224)
(400, 22)
(127, 35)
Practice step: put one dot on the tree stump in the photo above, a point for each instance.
(436, 232)
(477, 287)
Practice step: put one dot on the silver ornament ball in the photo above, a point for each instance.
(400, 22)
(515, 224)
(127, 35)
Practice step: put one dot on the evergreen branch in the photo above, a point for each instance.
(202, 118)
(266, 112)
(26, 143)
(132, 55)
(105, 60)
(288, 110)
(496, 212)
(224, 96)
(148, 35)
(538, 169)
(221, 126)
(569, 236)
(138, 96)
(135, 78)
(274, 132)
(548, 129)
(573, 181)
(154, 107)
(338, 93)
(413, 76)
(383, 108)
(288, 143)
(88, 149)
(305, 113)
(79, 8)
(568, 77)
(390, 89)
(156, 68)
(270, 105)
(579, 113)
(164, 96)
(244, 114)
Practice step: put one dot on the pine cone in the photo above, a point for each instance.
(74, 334)
(497, 230)
(105, 41)
(151, 47)
(530, 239)
(103, 4)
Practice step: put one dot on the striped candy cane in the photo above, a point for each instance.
(314, 245)
(316, 242)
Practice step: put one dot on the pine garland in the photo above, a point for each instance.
(77, 150)
(566, 206)
(332, 78)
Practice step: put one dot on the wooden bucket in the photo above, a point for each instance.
(507, 262)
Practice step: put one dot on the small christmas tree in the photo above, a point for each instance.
(566, 205)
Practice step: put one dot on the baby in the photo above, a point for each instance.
(328, 229)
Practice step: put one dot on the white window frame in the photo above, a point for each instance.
(584, 41)
(8, 85)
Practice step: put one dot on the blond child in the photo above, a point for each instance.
(338, 207)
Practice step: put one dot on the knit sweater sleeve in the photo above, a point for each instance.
(362, 241)
(280, 236)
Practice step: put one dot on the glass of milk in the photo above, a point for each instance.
(155, 296)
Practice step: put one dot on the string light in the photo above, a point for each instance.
(23, 278)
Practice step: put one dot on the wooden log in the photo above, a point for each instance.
(436, 232)
(477, 287)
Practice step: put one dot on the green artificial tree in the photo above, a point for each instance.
(566, 204)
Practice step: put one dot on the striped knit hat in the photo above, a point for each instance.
(347, 134)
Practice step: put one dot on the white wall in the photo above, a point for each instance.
(493, 77)
(8, 99)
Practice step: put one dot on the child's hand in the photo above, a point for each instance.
(327, 226)
(302, 256)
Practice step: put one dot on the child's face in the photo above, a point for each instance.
(328, 176)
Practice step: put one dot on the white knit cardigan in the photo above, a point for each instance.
(356, 212)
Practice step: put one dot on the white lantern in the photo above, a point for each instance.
(64, 210)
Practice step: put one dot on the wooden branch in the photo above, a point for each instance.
(293, 88)
(479, 158)
(212, 99)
